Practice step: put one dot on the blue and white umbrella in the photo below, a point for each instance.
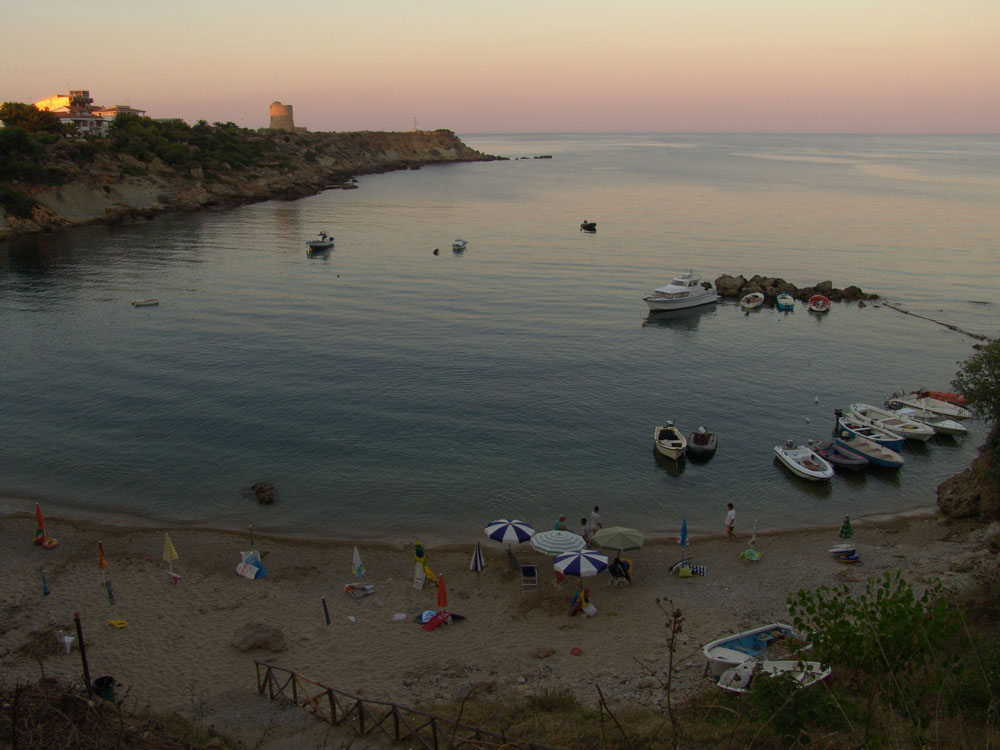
(509, 531)
(557, 541)
(581, 563)
(478, 563)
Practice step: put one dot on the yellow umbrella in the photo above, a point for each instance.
(170, 554)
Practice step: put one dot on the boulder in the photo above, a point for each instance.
(824, 287)
(852, 293)
(729, 286)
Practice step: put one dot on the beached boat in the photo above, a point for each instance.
(876, 454)
(855, 426)
(685, 290)
(701, 444)
(669, 441)
(891, 422)
(949, 396)
(940, 425)
(819, 303)
(323, 241)
(459, 245)
(804, 462)
(145, 303)
(752, 301)
(588, 226)
(775, 640)
(740, 679)
(839, 457)
(785, 302)
(926, 403)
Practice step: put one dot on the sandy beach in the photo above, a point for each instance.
(177, 651)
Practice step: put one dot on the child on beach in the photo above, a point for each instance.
(730, 523)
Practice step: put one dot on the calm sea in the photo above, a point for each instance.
(390, 391)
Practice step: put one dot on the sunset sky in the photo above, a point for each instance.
(863, 66)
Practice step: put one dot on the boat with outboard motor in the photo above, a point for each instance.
(876, 454)
(855, 426)
(324, 242)
(669, 441)
(803, 461)
(891, 422)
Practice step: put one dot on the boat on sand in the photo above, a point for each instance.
(740, 679)
(775, 640)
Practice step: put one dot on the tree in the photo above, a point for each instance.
(979, 382)
(30, 119)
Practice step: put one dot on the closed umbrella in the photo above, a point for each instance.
(478, 562)
(557, 541)
(41, 538)
(170, 554)
(619, 538)
(357, 566)
(442, 594)
(509, 531)
(582, 563)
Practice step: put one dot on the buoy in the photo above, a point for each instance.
(437, 250)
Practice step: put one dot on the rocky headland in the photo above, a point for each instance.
(96, 182)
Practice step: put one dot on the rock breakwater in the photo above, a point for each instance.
(771, 286)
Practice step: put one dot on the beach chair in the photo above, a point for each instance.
(529, 577)
(418, 575)
(620, 571)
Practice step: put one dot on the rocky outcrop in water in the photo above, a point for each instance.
(115, 187)
(771, 286)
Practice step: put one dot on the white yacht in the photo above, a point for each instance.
(685, 290)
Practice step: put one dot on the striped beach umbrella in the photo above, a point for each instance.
(478, 562)
(557, 541)
(581, 563)
(509, 531)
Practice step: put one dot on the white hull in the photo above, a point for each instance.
(752, 301)
(805, 463)
(682, 292)
(662, 304)
(731, 650)
(940, 425)
(941, 408)
(669, 441)
(888, 421)
(739, 679)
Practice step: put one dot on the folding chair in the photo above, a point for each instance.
(529, 577)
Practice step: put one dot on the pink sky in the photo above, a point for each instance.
(905, 66)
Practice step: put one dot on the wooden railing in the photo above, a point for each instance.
(365, 716)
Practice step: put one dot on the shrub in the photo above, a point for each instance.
(15, 202)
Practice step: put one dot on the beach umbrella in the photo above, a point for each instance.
(103, 565)
(845, 529)
(442, 594)
(357, 566)
(169, 553)
(509, 531)
(478, 563)
(46, 593)
(40, 538)
(619, 538)
(581, 563)
(557, 541)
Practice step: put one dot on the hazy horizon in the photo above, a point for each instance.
(719, 66)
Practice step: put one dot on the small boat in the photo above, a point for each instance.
(891, 422)
(804, 462)
(145, 303)
(876, 454)
(770, 640)
(685, 290)
(949, 396)
(752, 301)
(785, 302)
(839, 457)
(459, 245)
(740, 679)
(669, 441)
(324, 241)
(926, 403)
(701, 444)
(844, 553)
(588, 226)
(855, 426)
(940, 425)
(819, 303)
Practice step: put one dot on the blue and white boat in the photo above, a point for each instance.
(785, 302)
(876, 454)
(459, 245)
(766, 641)
(853, 425)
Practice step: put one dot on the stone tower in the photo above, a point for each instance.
(281, 116)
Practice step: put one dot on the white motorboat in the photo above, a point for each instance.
(740, 678)
(774, 640)
(752, 301)
(685, 290)
(940, 425)
(459, 245)
(889, 421)
(323, 242)
(804, 462)
(926, 403)
(785, 302)
(669, 441)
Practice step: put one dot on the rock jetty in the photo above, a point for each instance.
(770, 286)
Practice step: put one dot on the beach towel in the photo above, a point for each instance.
(438, 619)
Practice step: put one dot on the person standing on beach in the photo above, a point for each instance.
(595, 520)
(585, 530)
(730, 523)
(561, 523)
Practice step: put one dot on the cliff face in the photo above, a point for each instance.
(118, 187)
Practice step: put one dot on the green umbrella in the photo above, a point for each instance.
(845, 530)
(619, 538)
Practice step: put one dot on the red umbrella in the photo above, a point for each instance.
(40, 537)
(442, 593)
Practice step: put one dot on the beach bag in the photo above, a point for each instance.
(590, 610)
